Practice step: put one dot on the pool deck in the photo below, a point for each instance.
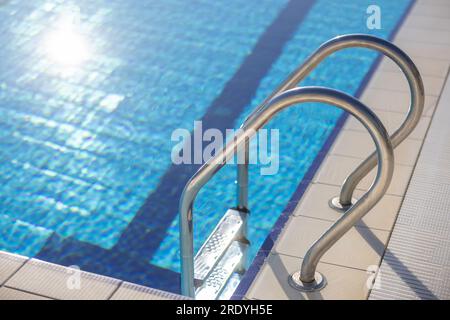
(23, 278)
(350, 265)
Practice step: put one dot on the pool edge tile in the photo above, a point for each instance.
(66, 283)
(272, 281)
(9, 265)
(130, 291)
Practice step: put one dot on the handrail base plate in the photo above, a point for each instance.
(318, 284)
(335, 204)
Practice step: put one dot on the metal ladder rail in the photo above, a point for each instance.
(385, 47)
(286, 99)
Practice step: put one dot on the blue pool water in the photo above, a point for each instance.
(90, 92)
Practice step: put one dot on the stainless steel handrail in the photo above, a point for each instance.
(273, 107)
(342, 42)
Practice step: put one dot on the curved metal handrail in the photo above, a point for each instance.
(274, 106)
(342, 42)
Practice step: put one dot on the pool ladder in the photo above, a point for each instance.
(224, 252)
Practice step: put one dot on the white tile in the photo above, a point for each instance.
(392, 121)
(9, 263)
(434, 2)
(13, 294)
(272, 281)
(431, 23)
(399, 183)
(130, 291)
(393, 80)
(431, 10)
(359, 248)
(335, 169)
(427, 66)
(315, 204)
(394, 101)
(360, 145)
(426, 50)
(424, 35)
(58, 282)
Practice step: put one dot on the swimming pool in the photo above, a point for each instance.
(89, 96)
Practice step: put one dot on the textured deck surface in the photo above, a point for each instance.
(416, 264)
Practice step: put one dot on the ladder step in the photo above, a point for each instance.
(216, 280)
(209, 255)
